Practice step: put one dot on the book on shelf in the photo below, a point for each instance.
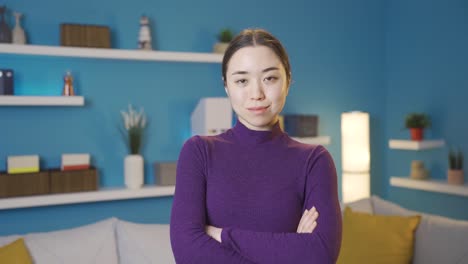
(76, 161)
(23, 164)
(6, 82)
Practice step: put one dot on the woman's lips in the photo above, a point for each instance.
(258, 109)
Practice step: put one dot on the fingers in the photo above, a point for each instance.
(301, 222)
(308, 221)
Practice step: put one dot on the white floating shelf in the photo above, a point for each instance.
(322, 140)
(118, 54)
(105, 194)
(19, 100)
(415, 145)
(430, 185)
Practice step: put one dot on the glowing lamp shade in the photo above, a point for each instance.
(355, 142)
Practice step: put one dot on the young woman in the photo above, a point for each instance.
(252, 194)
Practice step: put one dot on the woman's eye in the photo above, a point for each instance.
(271, 78)
(241, 81)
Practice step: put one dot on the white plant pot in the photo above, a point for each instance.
(134, 171)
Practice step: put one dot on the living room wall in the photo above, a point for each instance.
(336, 50)
(426, 71)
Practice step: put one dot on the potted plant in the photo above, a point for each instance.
(224, 37)
(134, 123)
(417, 122)
(455, 171)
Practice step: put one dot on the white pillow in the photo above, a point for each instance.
(438, 239)
(143, 243)
(93, 243)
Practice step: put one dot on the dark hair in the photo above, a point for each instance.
(257, 37)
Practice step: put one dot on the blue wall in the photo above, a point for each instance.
(337, 51)
(427, 71)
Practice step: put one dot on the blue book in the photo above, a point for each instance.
(2, 82)
(9, 80)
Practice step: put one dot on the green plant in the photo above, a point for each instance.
(225, 35)
(455, 160)
(417, 120)
(134, 123)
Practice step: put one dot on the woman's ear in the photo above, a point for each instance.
(226, 90)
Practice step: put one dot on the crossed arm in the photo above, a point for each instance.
(307, 224)
(195, 242)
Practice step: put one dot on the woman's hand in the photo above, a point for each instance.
(214, 232)
(308, 221)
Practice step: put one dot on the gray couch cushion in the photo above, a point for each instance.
(363, 205)
(143, 243)
(438, 239)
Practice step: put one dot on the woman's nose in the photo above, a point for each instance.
(256, 91)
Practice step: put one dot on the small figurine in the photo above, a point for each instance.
(144, 37)
(18, 32)
(68, 85)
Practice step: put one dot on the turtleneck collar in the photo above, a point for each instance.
(249, 136)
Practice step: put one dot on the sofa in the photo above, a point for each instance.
(436, 239)
(108, 241)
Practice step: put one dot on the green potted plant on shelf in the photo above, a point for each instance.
(455, 171)
(134, 124)
(416, 123)
(224, 37)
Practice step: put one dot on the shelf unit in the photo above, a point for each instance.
(104, 194)
(431, 185)
(117, 54)
(322, 140)
(19, 100)
(415, 145)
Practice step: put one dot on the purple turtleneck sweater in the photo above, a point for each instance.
(255, 185)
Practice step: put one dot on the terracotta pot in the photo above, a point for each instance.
(417, 133)
(455, 177)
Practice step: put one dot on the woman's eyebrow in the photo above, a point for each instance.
(239, 72)
(270, 69)
(265, 70)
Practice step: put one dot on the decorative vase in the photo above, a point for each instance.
(220, 47)
(5, 32)
(134, 171)
(417, 170)
(455, 177)
(417, 133)
(19, 37)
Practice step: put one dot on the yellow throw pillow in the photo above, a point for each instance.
(377, 239)
(15, 252)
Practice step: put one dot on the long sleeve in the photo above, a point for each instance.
(190, 243)
(322, 246)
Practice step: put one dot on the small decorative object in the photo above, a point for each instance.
(68, 85)
(224, 38)
(134, 123)
(417, 122)
(418, 171)
(144, 36)
(455, 172)
(19, 37)
(5, 32)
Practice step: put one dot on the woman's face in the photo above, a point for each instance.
(257, 86)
